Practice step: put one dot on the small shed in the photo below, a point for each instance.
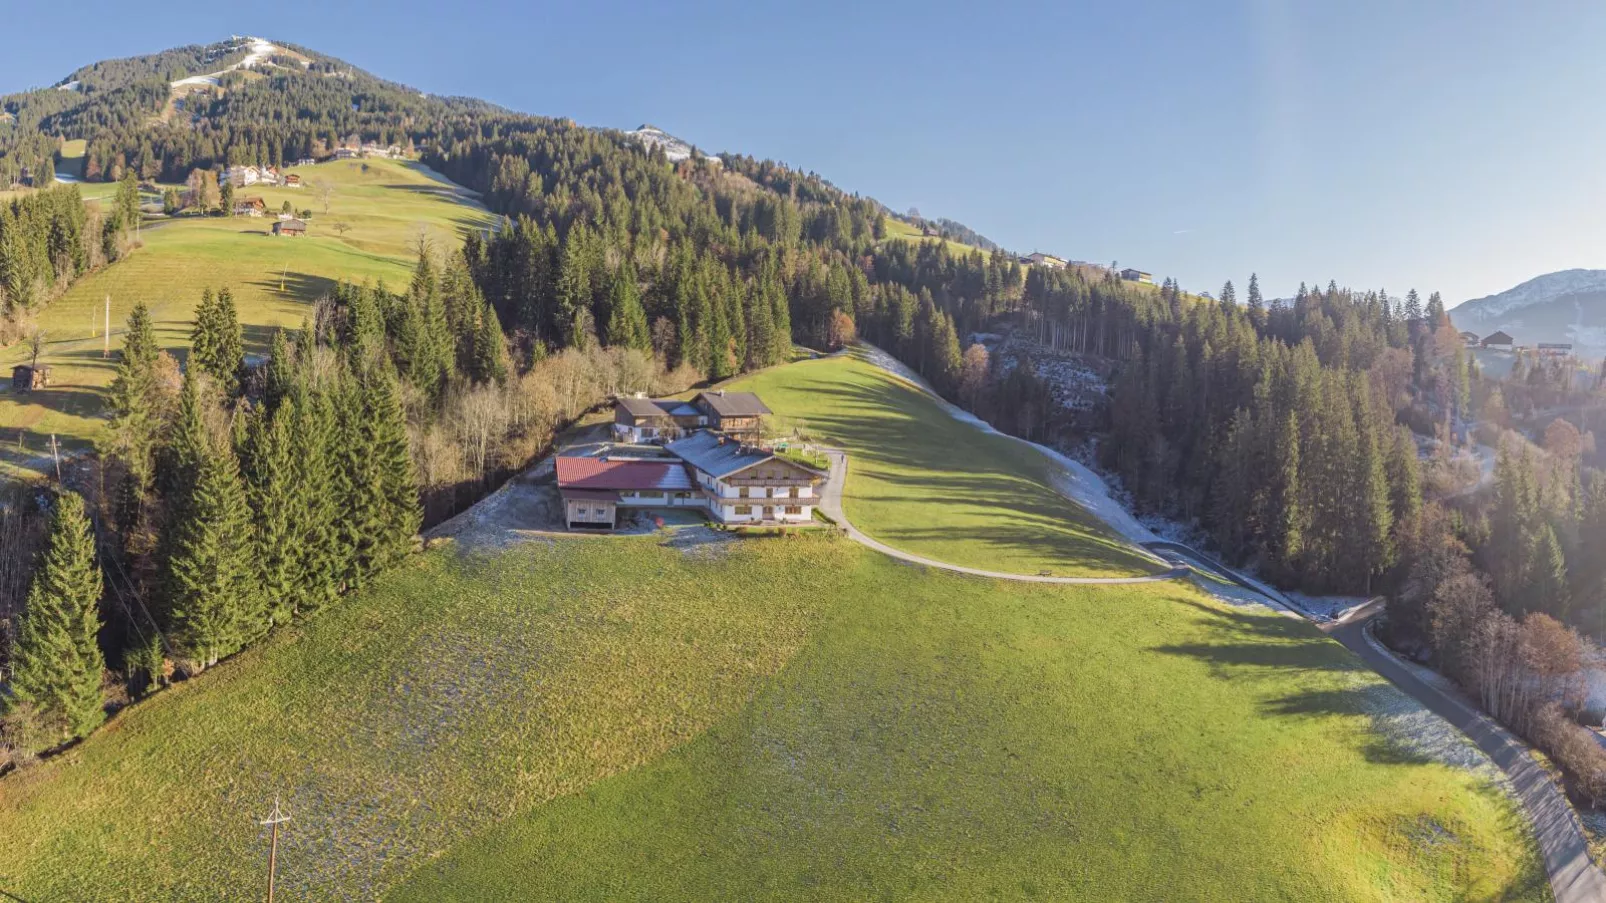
(26, 379)
(290, 227)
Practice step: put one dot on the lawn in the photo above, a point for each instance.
(923, 482)
(385, 204)
(899, 230)
(685, 718)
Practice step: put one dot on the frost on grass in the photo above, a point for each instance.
(1412, 732)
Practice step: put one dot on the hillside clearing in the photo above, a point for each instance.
(386, 205)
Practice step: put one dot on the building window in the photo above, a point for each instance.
(794, 509)
(741, 492)
(794, 492)
(744, 509)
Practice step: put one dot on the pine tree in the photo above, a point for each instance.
(324, 557)
(132, 435)
(278, 505)
(214, 605)
(393, 456)
(56, 661)
(627, 320)
(279, 374)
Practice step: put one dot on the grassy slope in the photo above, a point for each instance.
(385, 207)
(614, 718)
(898, 229)
(923, 482)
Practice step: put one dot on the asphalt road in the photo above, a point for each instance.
(1573, 877)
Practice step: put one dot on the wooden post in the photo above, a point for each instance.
(55, 452)
(106, 347)
(274, 819)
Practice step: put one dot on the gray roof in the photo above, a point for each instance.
(734, 404)
(656, 407)
(716, 455)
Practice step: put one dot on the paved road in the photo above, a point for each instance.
(1573, 877)
(831, 504)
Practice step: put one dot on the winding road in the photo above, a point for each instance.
(1573, 877)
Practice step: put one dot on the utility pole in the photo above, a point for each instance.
(274, 820)
(55, 452)
(106, 347)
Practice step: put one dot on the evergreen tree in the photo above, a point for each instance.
(278, 506)
(627, 320)
(279, 374)
(56, 661)
(214, 605)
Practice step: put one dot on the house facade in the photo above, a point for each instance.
(1045, 260)
(734, 413)
(1131, 275)
(594, 489)
(1499, 341)
(746, 484)
(290, 227)
(640, 420)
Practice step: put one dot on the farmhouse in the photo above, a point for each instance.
(346, 153)
(252, 206)
(593, 489)
(290, 227)
(26, 379)
(1470, 339)
(1045, 260)
(1499, 341)
(640, 419)
(735, 413)
(292, 181)
(747, 484)
(1132, 275)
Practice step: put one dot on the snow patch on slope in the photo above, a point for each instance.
(260, 51)
(650, 136)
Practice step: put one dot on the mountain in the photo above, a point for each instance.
(675, 149)
(1565, 306)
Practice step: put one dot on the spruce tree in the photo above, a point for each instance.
(627, 320)
(323, 557)
(387, 421)
(277, 503)
(214, 606)
(279, 374)
(56, 661)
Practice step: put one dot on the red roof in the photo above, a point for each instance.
(602, 473)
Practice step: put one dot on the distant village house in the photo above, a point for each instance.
(1555, 349)
(292, 181)
(290, 227)
(1037, 258)
(640, 420)
(1131, 275)
(1498, 341)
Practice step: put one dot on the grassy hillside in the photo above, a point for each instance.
(385, 205)
(898, 229)
(921, 481)
(682, 718)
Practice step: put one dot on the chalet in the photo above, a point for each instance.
(1499, 341)
(290, 227)
(1132, 275)
(292, 181)
(347, 153)
(1470, 339)
(1044, 260)
(1555, 349)
(305, 161)
(640, 419)
(593, 489)
(746, 484)
(734, 413)
(25, 378)
(251, 206)
(240, 176)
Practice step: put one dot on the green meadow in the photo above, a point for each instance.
(690, 716)
(377, 211)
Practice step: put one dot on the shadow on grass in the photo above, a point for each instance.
(901, 439)
(1260, 646)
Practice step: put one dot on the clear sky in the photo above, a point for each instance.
(1454, 146)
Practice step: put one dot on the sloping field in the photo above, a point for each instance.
(923, 482)
(384, 206)
(695, 717)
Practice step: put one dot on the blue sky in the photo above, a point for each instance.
(1442, 145)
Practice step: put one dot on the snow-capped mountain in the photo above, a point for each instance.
(674, 148)
(1565, 306)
